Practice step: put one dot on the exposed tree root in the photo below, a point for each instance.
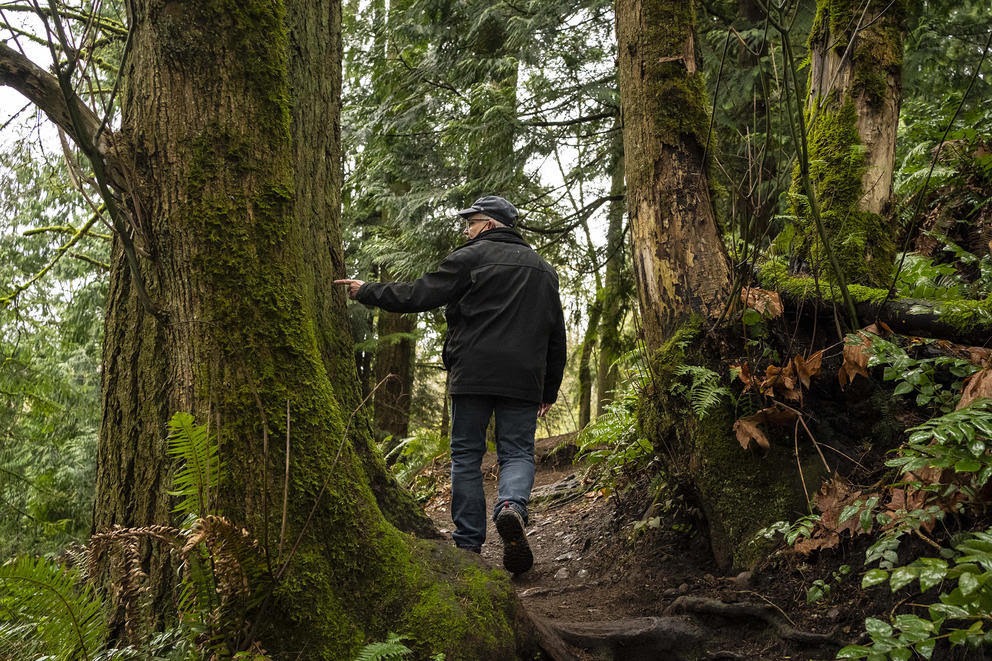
(761, 612)
(643, 637)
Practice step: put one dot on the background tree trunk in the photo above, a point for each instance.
(615, 293)
(585, 363)
(394, 361)
(853, 117)
(683, 278)
(231, 117)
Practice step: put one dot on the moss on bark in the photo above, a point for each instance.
(740, 491)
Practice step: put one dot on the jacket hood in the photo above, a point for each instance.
(498, 234)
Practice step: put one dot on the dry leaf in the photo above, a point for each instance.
(744, 374)
(855, 361)
(749, 432)
(768, 303)
(977, 385)
(807, 368)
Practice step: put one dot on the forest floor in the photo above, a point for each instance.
(616, 589)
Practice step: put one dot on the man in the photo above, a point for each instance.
(505, 354)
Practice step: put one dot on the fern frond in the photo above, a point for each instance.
(199, 472)
(704, 392)
(66, 617)
(391, 648)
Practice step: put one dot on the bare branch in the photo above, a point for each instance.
(43, 90)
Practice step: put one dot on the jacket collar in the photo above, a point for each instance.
(498, 234)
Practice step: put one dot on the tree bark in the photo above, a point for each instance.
(853, 117)
(231, 119)
(683, 279)
(394, 359)
(680, 264)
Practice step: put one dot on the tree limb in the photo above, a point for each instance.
(43, 90)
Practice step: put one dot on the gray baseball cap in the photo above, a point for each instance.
(495, 207)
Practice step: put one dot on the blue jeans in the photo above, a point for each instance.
(516, 422)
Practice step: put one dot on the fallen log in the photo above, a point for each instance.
(968, 321)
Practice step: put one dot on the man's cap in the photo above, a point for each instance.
(495, 207)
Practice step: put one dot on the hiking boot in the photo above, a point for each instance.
(517, 557)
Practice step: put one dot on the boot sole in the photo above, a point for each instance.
(517, 556)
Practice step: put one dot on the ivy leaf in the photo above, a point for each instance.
(903, 388)
(853, 652)
(874, 577)
(968, 583)
(877, 628)
(901, 577)
(932, 573)
(925, 648)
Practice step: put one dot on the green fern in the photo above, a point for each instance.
(49, 608)
(704, 392)
(391, 648)
(199, 472)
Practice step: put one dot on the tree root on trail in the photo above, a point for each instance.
(642, 637)
(758, 611)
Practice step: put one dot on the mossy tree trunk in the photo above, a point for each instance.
(682, 275)
(615, 291)
(230, 126)
(853, 117)
(680, 263)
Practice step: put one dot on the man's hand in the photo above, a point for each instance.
(544, 409)
(353, 286)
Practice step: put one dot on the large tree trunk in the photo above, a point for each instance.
(680, 264)
(231, 115)
(683, 276)
(853, 116)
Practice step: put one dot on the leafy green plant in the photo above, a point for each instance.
(821, 588)
(388, 650)
(956, 440)
(920, 277)
(611, 442)
(790, 532)
(921, 376)
(960, 615)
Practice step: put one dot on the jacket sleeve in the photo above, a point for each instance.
(556, 357)
(430, 291)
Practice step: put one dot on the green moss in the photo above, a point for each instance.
(861, 241)
(676, 90)
(740, 491)
(877, 50)
(774, 274)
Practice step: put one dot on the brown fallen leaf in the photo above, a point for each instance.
(748, 431)
(807, 368)
(977, 385)
(855, 360)
(768, 303)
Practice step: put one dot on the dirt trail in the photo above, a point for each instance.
(614, 593)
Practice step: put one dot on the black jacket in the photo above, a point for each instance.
(506, 330)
